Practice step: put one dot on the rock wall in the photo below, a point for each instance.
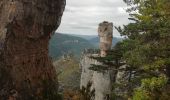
(101, 82)
(85, 64)
(26, 71)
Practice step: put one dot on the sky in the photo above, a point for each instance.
(83, 16)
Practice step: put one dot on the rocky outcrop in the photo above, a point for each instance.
(105, 32)
(26, 71)
(109, 80)
(101, 81)
(85, 64)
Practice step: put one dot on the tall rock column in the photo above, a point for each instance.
(105, 32)
(101, 81)
(26, 71)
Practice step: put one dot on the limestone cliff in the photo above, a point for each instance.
(101, 81)
(26, 71)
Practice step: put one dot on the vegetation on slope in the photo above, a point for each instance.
(61, 44)
(68, 73)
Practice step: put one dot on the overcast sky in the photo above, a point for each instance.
(83, 16)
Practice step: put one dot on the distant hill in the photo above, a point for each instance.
(87, 37)
(95, 41)
(61, 44)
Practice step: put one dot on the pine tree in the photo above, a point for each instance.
(147, 48)
(112, 61)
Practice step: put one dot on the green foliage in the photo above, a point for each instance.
(87, 93)
(99, 68)
(146, 48)
(150, 88)
(154, 83)
(141, 94)
(111, 62)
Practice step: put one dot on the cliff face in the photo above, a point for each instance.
(101, 81)
(26, 71)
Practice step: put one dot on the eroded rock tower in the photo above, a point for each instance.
(101, 81)
(105, 32)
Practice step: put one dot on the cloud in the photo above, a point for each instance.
(83, 16)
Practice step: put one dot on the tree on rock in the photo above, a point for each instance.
(147, 47)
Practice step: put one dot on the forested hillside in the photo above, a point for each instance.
(64, 44)
(61, 44)
(95, 41)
